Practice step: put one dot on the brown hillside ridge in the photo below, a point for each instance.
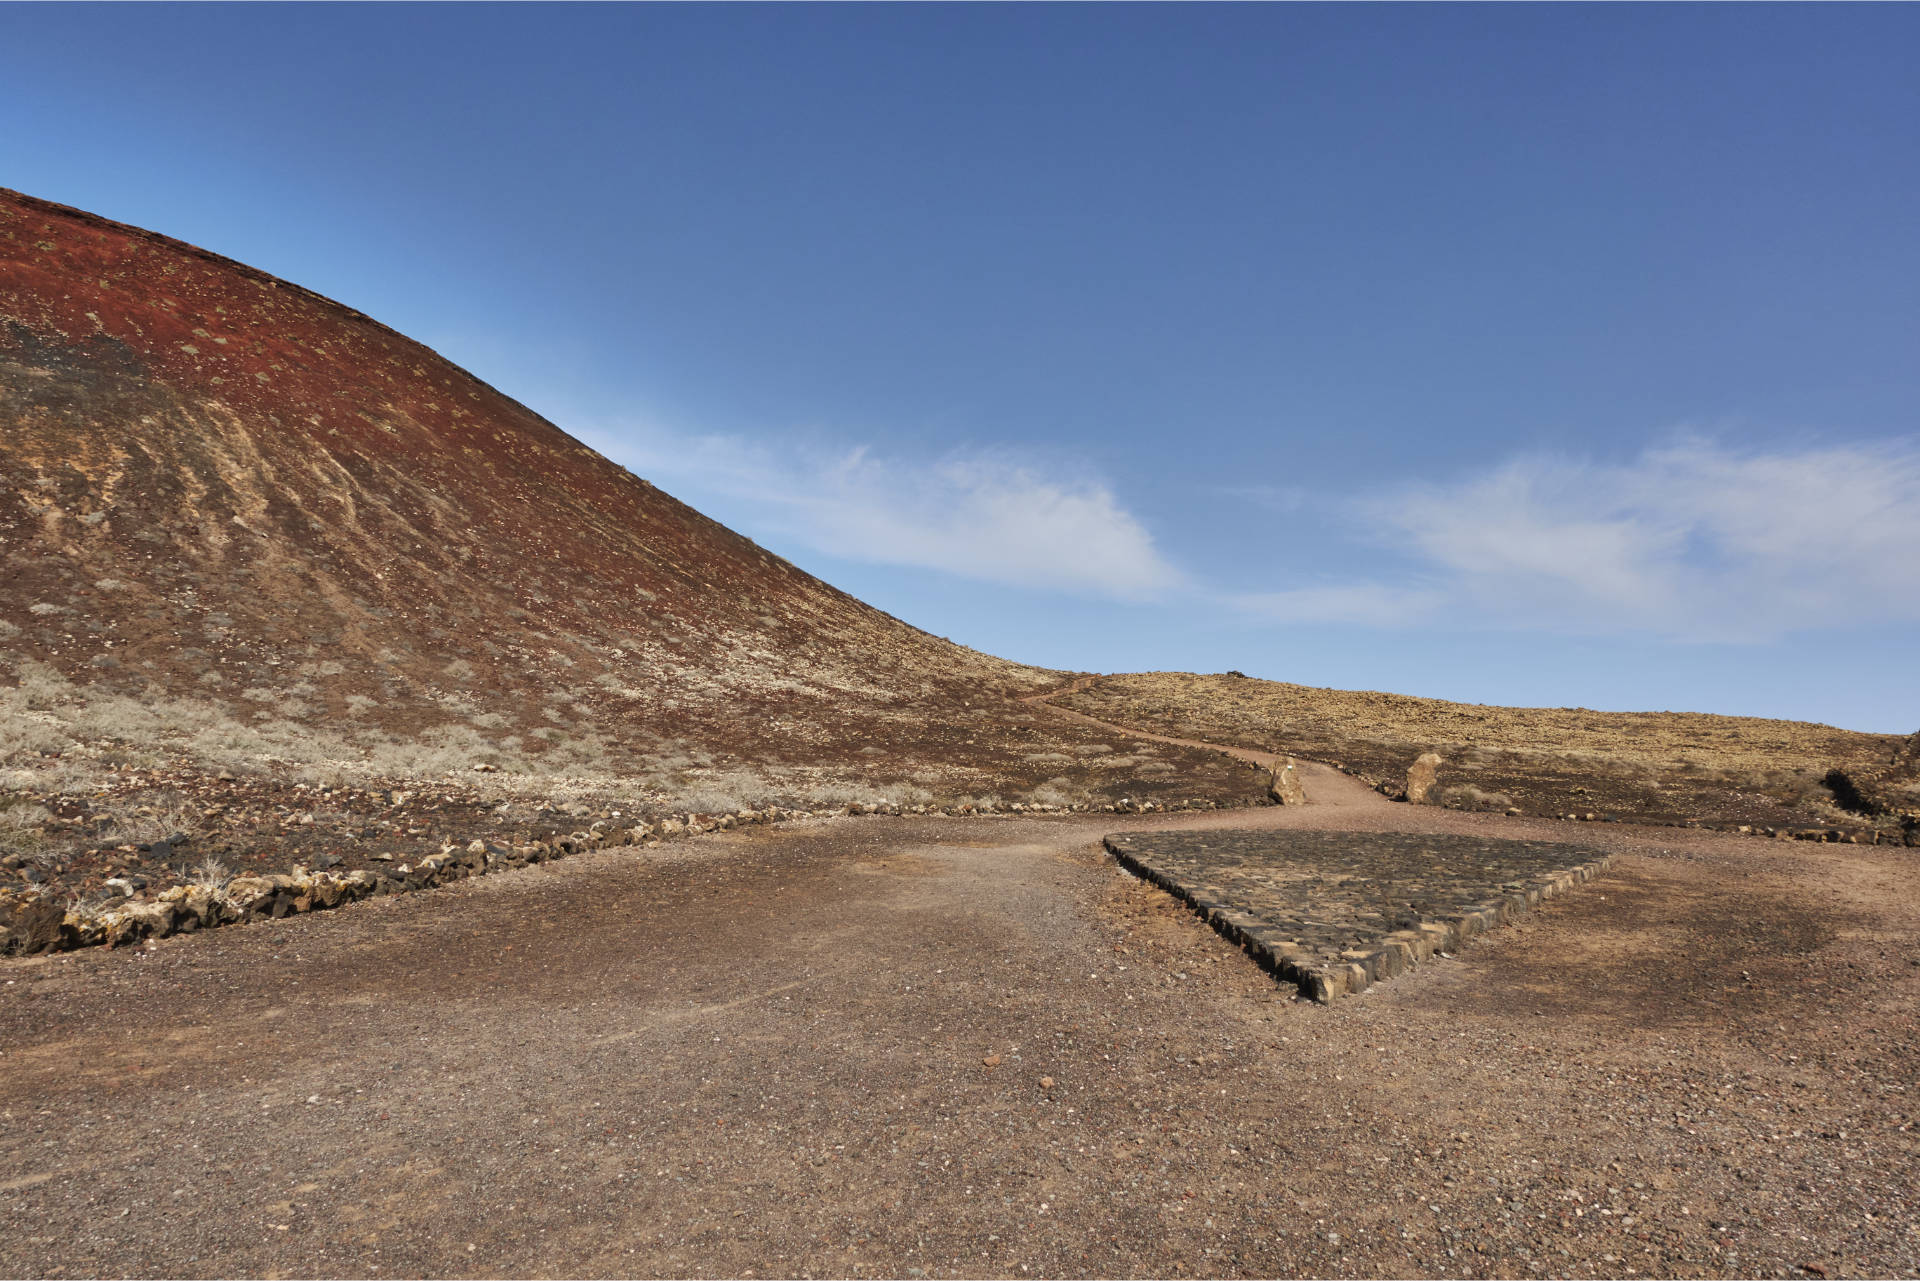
(250, 531)
(1777, 778)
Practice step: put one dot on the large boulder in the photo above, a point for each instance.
(136, 921)
(1422, 775)
(1285, 788)
(1849, 795)
(31, 924)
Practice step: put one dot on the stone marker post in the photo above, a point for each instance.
(1285, 788)
(1421, 777)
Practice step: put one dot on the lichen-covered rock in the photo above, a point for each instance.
(247, 892)
(137, 921)
(204, 906)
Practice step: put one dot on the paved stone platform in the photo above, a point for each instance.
(1336, 912)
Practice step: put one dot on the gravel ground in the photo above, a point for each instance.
(973, 1047)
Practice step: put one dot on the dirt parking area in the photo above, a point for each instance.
(966, 1047)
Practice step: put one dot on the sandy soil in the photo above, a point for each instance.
(974, 1047)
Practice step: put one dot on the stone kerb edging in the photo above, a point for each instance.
(32, 924)
(1394, 954)
(35, 923)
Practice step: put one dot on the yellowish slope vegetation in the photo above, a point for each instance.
(1665, 766)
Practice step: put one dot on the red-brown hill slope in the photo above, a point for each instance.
(243, 522)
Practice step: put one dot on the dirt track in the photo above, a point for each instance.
(1266, 760)
(766, 1053)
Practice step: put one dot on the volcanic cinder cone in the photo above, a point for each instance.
(243, 522)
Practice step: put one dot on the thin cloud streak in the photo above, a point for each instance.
(1692, 541)
(977, 516)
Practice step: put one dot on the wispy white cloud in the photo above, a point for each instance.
(979, 516)
(1694, 540)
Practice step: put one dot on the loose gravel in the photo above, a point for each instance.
(964, 1047)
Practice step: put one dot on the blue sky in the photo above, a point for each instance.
(1543, 355)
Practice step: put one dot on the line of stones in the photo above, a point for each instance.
(1274, 948)
(1908, 835)
(34, 923)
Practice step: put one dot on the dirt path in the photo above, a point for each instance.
(950, 1047)
(971, 1047)
(1267, 760)
(1322, 784)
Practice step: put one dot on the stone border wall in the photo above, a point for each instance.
(1358, 970)
(1908, 833)
(31, 924)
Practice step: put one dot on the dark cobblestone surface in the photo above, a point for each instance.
(1338, 911)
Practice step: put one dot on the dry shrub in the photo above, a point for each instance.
(867, 794)
(328, 774)
(1059, 791)
(210, 874)
(162, 816)
(1903, 796)
(21, 824)
(67, 776)
(21, 736)
(1468, 797)
(710, 800)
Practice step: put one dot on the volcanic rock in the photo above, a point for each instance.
(1285, 788)
(1421, 777)
(30, 925)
